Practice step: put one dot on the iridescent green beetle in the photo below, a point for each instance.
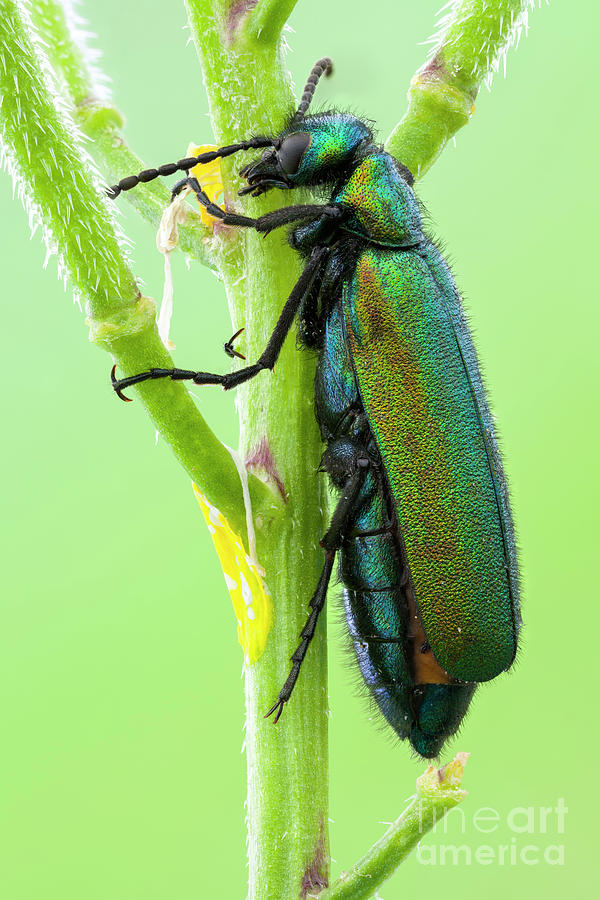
(423, 524)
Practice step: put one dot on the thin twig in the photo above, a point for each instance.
(438, 791)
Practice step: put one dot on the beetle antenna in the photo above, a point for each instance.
(321, 67)
(185, 164)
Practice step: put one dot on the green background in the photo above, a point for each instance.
(121, 703)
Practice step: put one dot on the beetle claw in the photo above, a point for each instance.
(279, 707)
(116, 386)
(228, 347)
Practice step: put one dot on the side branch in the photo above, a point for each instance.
(99, 120)
(62, 193)
(473, 37)
(438, 791)
(265, 22)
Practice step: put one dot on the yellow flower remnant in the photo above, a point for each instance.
(210, 179)
(252, 602)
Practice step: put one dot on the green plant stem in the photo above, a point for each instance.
(102, 122)
(441, 97)
(58, 187)
(438, 791)
(249, 92)
(60, 190)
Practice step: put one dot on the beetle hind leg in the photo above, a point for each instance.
(357, 468)
(316, 605)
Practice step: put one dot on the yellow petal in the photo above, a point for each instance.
(252, 602)
(210, 179)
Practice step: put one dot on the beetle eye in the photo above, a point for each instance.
(292, 150)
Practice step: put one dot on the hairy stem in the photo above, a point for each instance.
(474, 36)
(250, 93)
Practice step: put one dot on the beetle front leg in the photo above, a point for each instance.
(263, 224)
(267, 359)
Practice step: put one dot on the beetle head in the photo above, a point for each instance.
(311, 151)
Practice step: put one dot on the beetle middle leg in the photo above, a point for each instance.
(267, 359)
(356, 462)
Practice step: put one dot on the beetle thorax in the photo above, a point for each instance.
(383, 206)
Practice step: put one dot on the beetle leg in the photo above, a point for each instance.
(267, 359)
(331, 543)
(264, 224)
(316, 605)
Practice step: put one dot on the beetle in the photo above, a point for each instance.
(422, 525)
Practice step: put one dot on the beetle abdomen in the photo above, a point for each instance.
(418, 699)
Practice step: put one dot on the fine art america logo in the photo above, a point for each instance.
(525, 835)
